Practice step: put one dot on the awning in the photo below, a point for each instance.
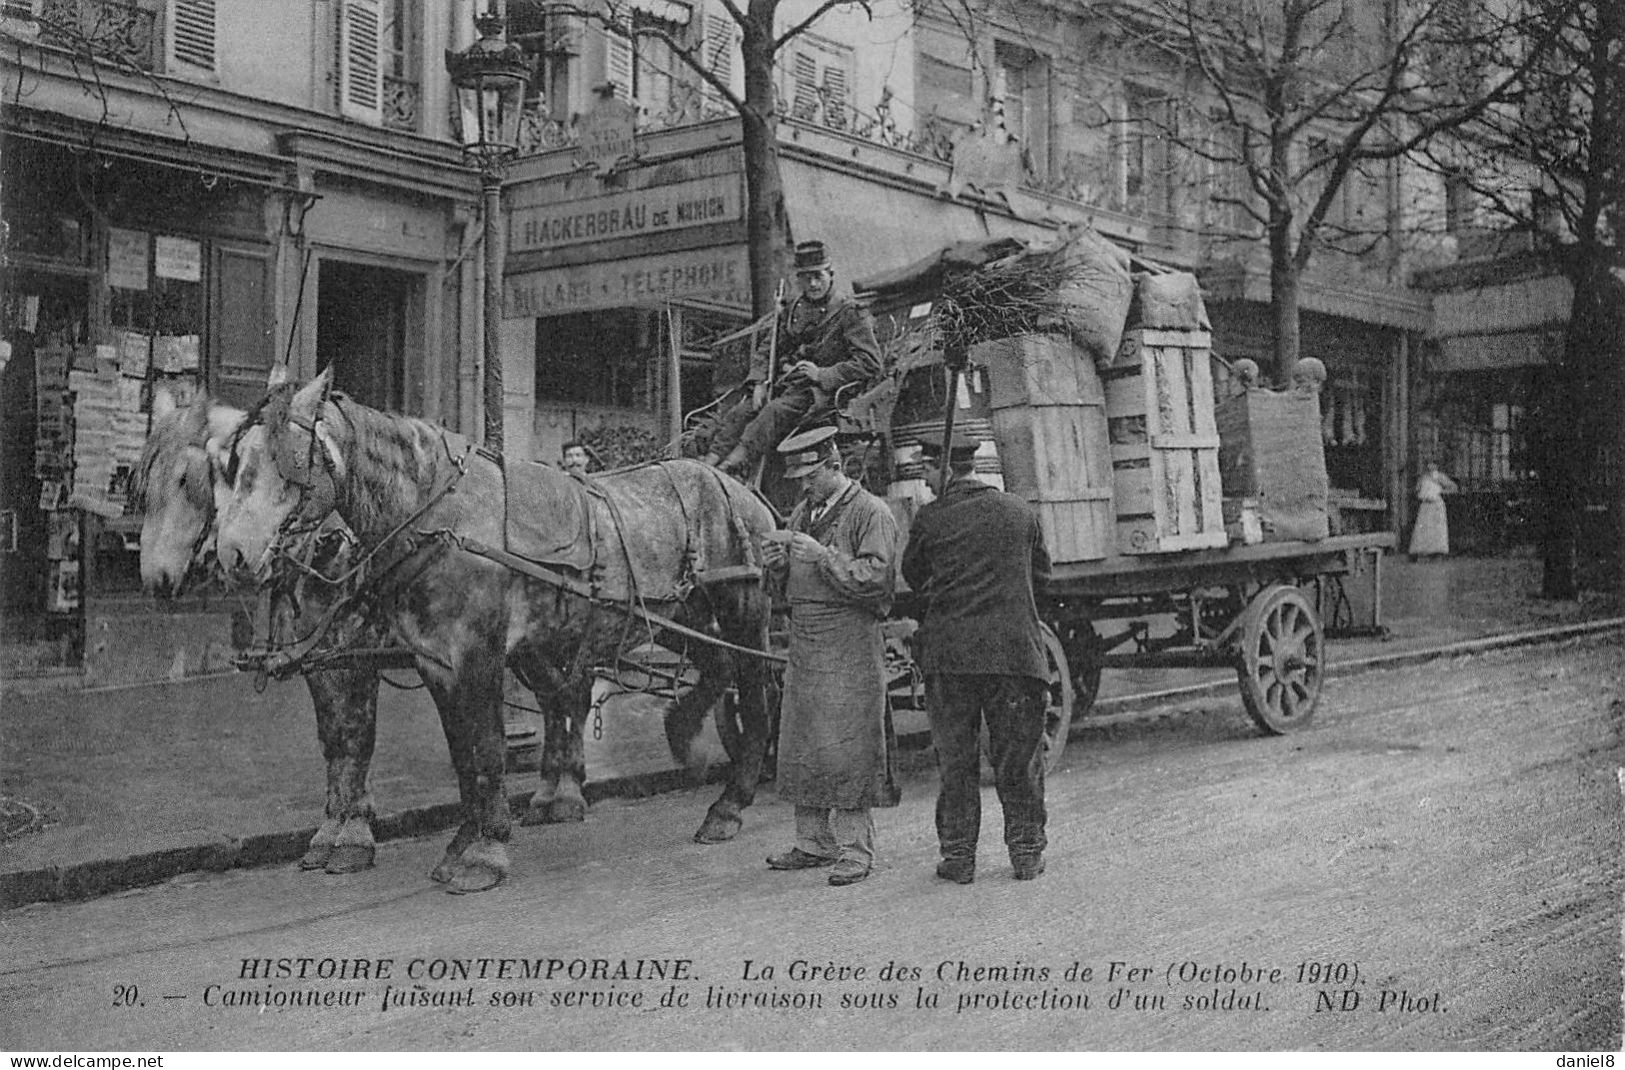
(872, 229)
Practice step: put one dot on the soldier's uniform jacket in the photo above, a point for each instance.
(976, 556)
(838, 335)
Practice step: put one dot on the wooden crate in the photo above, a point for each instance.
(1037, 369)
(1164, 443)
(1270, 451)
(1057, 458)
(1049, 420)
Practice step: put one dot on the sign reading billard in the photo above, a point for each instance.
(720, 275)
(627, 214)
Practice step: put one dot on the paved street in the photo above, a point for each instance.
(1435, 864)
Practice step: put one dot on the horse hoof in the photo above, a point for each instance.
(567, 811)
(474, 879)
(560, 811)
(316, 857)
(718, 829)
(351, 858)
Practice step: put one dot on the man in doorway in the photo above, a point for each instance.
(575, 459)
(835, 750)
(976, 557)
(826, 340)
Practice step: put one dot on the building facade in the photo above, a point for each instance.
(193, 191)
(245, 184)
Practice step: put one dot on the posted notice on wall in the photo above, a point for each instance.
(178, 258)
(127, 258)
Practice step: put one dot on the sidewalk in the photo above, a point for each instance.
(112, 788)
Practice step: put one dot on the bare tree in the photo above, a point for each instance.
(762, 40)
(1304, 99)
(1552, 166)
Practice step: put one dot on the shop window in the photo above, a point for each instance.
(597, 358)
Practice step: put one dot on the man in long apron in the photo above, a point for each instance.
(839, 560)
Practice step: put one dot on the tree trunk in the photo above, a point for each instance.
(1557, 449)
(1284, 307)
(767, 222)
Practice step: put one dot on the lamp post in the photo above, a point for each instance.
(490, 76)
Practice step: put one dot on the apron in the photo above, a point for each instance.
(836, 745)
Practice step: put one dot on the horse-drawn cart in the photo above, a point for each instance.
(1185, 512)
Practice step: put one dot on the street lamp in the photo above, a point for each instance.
(490, 77)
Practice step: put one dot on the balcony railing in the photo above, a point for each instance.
(103, 30)
(401, 99)
(932, 137)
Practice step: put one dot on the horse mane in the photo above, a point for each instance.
(186, 426)
(391, 460)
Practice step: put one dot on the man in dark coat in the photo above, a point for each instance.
(826, 340)
(835, 751)
(976, 557)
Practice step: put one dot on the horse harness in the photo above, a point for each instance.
(314, 471)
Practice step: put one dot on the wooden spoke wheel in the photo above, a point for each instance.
(1058, 709)
(1083, 648)
(1281, 659)
(1062, 699)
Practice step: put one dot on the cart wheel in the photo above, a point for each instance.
(1083, 649)
(1062, 699)
(1057, 713)
(1281, 659)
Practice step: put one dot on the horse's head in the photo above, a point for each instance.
(175, 488)
(281, 475)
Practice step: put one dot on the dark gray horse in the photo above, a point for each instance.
(672, 539)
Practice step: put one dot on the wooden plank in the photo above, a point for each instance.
(1176, 339)
(1125, 396)
(1185, 440)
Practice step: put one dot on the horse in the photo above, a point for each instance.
(641, 553)
(175, 486)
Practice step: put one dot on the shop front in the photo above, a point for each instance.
(136, 275)
(617, 284)
(125, 279)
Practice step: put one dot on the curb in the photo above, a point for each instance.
(87, 880)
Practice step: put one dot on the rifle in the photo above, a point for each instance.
(773, 337)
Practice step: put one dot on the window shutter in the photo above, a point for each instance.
(191, 39)
(835, 96)
(361, 61)
(804, 86)
(22, 10)
(618, 65)
(719, 47)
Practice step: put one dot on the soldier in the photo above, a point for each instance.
(976, 556)
(827, 340)
(835, 751)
